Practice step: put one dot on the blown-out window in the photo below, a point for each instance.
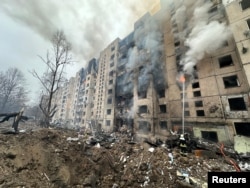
(237, 104)
(231, 81)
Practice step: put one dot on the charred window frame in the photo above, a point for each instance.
(163, 108)
(237, 104)
(163, 125)
(242, 128)
(210, 135)
(231, 81)
(200, 113)
(198, 104)
(143, 109)
(144, 126)
(225, 61)
(245, 4)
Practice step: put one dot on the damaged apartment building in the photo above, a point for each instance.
(137, 82)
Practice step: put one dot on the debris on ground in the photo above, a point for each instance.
(64, 158)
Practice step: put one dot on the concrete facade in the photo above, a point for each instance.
(138, 85)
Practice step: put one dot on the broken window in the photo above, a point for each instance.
(113, 48)
(242, 128)
(231, 81)
(163, 125)
(245, 4)
(108, 122)
(109, 111)
(197, 93)
(143, 109)
(163, 108)
(210, 135)
(237, 104)
(198, 104)
(225, 61)
(144, 126)
(195, 85)
(200, 113)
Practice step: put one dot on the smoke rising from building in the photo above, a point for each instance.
(204, 35)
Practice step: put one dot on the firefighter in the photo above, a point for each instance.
(183, 144)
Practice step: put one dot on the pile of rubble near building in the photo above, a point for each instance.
(67, 158)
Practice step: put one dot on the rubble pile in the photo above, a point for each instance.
(65, 158)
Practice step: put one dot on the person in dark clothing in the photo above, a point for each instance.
(183, 145)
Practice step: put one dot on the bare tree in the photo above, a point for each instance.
(13, 94)
(54, 76)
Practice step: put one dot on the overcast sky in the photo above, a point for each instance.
(89, 25)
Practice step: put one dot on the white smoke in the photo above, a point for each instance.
(206, 36)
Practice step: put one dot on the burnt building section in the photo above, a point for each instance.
(141, 84)
(105, 88)
(216, 94)
(124, 90)
(85, 91)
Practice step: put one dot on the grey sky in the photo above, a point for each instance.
(89, 25)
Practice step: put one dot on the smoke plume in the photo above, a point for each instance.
(203, 34)
(88, 25)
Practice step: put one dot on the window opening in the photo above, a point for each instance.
(237, 104)
(200, 113)
(242, 128)
(210, 135)
(198, 104)
(231, 81)
(226, 61)
(163, 108)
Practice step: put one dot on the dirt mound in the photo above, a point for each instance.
(60, 158)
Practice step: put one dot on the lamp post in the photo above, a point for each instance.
(182, 80)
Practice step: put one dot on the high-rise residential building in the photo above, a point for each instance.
(105, 87)
(184, 68)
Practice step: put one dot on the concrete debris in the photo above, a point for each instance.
(55, 158)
